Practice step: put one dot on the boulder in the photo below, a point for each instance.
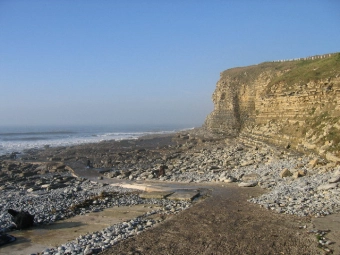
(27, 174)
(337, 172)
(126, 173)
(299, 173)
(247, 163)
(302, 172)
(327, 186)
(331, 157)
(285, 173)
(54, 159)
(296, 175)
(248, 184)
(230, 179)
(313, 162)
(21, 219)
(112, 174)
(334, 179)
(250, 177)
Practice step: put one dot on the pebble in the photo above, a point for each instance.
(56, 204)
(316, 192)
(293, 184)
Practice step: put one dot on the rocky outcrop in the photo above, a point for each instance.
(292, 103)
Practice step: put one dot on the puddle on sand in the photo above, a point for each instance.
(44, 236)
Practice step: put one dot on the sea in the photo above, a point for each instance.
(18, 139)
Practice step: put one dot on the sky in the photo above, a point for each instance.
(147, 62)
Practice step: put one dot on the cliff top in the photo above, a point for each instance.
(289, 72)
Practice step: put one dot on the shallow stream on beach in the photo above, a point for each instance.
(60, 232)
(41, 237)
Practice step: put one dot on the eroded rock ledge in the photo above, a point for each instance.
(291, 103)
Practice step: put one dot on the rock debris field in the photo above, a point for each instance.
(42, 183)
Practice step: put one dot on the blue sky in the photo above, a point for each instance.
(143, 62)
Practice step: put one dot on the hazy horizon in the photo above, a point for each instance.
(9, 129)
(143, 62)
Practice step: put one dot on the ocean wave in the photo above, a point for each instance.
(38, 133)
(20, 144)
(21, 141)
(24, 139)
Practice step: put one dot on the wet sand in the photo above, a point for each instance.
(224, 223)
(41, 237)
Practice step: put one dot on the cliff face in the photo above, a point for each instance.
(293, 103)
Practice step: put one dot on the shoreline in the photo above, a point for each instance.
(192, 158)
(41, 138)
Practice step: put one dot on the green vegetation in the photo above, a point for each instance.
(303, 71)
(319, 237)
(333, 135)
(288, 73)
(290, 78)
(318, 124)
(312, 111)
(317, 121)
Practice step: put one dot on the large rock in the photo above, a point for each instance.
(250, 177)
(299, 173)
(230, 179)
(247, 163)
(21, 219)
(248, 184)
(327, 186)
(285, 173)
(27, 174)
(331, 157)
(313, 162)
(334, 179)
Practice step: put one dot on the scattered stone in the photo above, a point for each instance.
(327, 186)
(299, 173)
(334, 179)
(230, 179)
(248, 184)
(54, 193)
(285, 173)
(313, 162)
(250, 177)
(331, 157)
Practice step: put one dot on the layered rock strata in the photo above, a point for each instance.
(293, 103)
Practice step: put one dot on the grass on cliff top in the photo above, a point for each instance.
(296, 72)
(304, 71)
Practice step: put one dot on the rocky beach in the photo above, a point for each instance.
(55, 184)
(169, 128)
(266, 160)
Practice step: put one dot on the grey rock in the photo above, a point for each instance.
(334, 179)
(248, 184)
(327, 186)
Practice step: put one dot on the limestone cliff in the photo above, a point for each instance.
(293, 103)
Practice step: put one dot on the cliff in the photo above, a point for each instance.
(295, 103)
